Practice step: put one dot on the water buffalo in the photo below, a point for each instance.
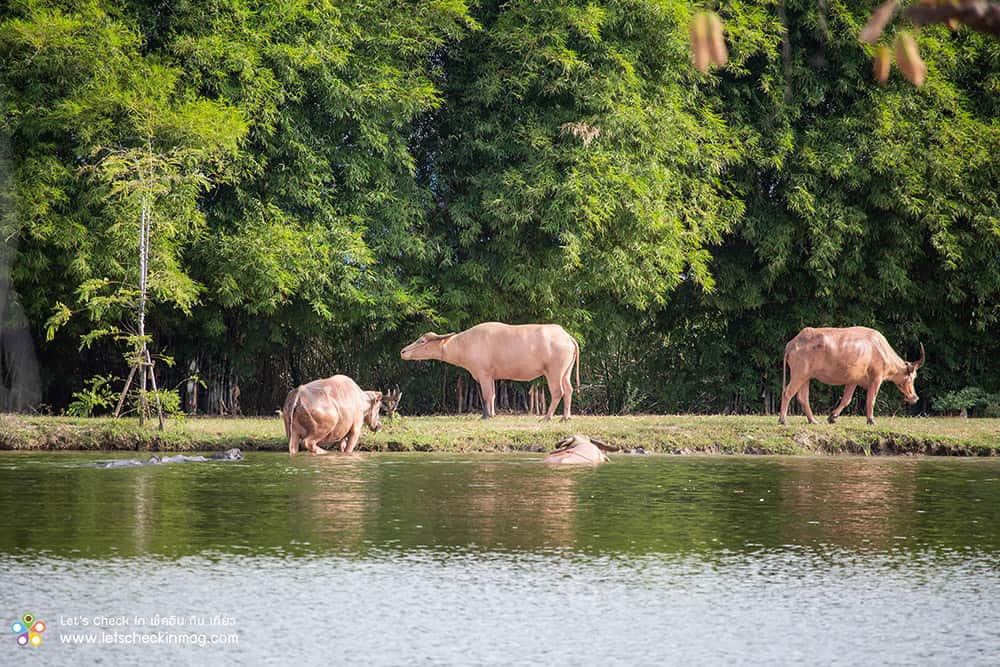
(495, 351)
(852, 356)
(331, 410)
(580, 449)
(233, 454)
(390, 402)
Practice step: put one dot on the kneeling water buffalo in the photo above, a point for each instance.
(853, 356)
(494, 351)
(331, 410)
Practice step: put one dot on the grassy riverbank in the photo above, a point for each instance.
(676, 434)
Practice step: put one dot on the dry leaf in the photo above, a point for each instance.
(708, 42)
(883, 60)
(876, 24)
(581, 130)
(699, 41)
(908, 59)
(719, 53)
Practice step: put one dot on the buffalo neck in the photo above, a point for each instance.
(453, 355)
(897, 367)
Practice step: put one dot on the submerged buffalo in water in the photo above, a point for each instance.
(853, 356)
(494, 351)
(331, 410)
(233, 454)
(580, 449)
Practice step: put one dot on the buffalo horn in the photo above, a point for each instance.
(605, 446)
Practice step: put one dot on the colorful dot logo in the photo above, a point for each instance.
(28, 631)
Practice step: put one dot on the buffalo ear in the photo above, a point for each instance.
(564, 444)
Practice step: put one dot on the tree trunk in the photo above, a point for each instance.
(143, 258)
(191, 390)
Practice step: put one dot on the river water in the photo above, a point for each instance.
(493, 560)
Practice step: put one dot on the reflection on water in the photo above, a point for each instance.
(498, 559)
(868, 503)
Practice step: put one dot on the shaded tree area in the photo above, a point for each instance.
(346, 176)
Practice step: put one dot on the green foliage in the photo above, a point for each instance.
(574, 162)
(97, 396)
(170, 401)
(969, 399)
(107, 135)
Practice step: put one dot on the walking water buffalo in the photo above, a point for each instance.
(852, 356)
(494, 351)
(331, 410)
(580, 449)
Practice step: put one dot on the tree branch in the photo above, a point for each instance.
(980, 15)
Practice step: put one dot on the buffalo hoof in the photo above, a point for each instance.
(871, 422)
(832, 419)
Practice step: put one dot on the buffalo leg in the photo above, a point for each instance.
(312, 445)
(567, 388)
(555, 389)
(352, 440)
(803, 397)
(489, 394)
(786, 397)
(848, 395)
(870, 401)
(293, 441)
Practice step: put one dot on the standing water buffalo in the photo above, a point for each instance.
(494, 351)
(331, 410)
(853, 356)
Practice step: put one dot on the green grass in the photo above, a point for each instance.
(678, 434)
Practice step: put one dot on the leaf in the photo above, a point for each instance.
(61, 315)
